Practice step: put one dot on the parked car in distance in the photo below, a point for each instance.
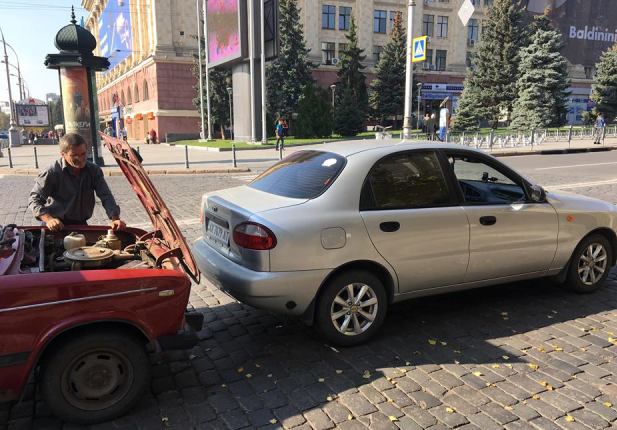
(4, 134)
(80, 308)
(336, 235)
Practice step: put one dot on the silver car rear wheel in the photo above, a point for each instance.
(351, 307)
(592, 263)
(354, 309)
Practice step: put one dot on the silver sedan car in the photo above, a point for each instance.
(338, 234)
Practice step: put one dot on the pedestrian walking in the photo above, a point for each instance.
(599, 129)
(152, 136)
(444, 117)
(280, 131)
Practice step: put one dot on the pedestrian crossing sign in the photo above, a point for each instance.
(418, 53)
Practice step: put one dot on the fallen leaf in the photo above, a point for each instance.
(508, 365)
(329, 398)
(257, 365)
(273, 421)
(535, 397)
(393, 418)
(533, 366)
(555, 312)
(192, 357)
(349, 417)
(457, 362)
(558, 349)
(607, 404)
(407, 363)
(338, 371)
(584, 349)
(612, 340)
(504, 314)
(432, 341)
(495, 366)
(402, 370)
(269, 375)
(541, 349)
(505, 357)
(240, 369)
(164, 419)
(366, 374)
(543, 383)
(450, 410)
(477, 373)
(508, 408)
(223, 385)
(321, 380)
(569, 418)
(456, 351)
(443, 343)
(334, 349)
(249, 376)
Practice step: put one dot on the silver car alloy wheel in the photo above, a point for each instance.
(592, 264)
(354, 309)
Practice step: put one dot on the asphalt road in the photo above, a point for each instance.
(526, 355)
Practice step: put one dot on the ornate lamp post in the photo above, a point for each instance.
(76, 65)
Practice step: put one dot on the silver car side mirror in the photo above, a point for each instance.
(537, 195)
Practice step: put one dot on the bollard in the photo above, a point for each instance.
(186, 156)
(603, 134)
(281, 152)
(233, 154)
(36, 159)
(570, 136)
(490, 139)
(10, 158)
(533, 136)
(463, 138)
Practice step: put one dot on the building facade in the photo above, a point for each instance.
(451, 45)
(150, 45)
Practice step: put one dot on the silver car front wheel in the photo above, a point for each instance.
(351, 307)
(590, 264)
(354, 309)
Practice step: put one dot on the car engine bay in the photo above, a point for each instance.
(32, 250)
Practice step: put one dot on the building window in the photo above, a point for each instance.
(488, 3)
(442, 26)
(328, 14)
(440, 59)
(344, 17)
(393, 15)
(377, 50)
(342, 47)
(472, 31)
(129, 99)
(469, 59)
(475, 2)
(136, 94)
(428, 23)
(379, 21)
(327, 49)
(146, 95)
(589, 72)
(428, 63)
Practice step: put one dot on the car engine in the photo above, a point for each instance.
(39, 250)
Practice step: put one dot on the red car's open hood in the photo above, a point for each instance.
(161, 218)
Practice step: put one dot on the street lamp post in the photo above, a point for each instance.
(14, 138)
(408, 72)
(419, 85)
(201, 76)
(231, 124)
(333, 88)
(20, 79)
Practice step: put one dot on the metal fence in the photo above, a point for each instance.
(535, 137)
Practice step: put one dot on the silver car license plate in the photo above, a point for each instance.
(218, 233)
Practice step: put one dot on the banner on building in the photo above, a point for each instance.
(32, 113)
(115, 38)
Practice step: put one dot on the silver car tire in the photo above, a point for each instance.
(590, 264)
(348, 322)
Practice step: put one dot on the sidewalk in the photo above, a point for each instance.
(163, 159)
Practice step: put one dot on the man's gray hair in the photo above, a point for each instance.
(69, 141)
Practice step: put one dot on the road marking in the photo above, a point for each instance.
(581, 184)
(576, 165)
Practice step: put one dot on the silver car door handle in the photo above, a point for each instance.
(488, 220)
(389, 226)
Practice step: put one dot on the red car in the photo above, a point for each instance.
(81, 308)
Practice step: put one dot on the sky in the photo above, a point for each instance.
(30, 27)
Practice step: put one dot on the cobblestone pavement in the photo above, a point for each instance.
(525, 355)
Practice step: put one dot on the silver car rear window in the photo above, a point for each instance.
(302, 175)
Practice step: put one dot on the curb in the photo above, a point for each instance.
(258, 147)
(150, 172)
(552, 151)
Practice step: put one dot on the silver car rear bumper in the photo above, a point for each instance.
(288, 293)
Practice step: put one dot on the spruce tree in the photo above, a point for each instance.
(350, 74)
(496, 62)
(543, 80)
(290, 72)
(348, 119)
(314, 113)
(468, 114)
(604, 90)
(387, 95)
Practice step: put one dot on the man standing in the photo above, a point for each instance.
(64, 192)
(600, 124)
(444, 116)
(281, 131)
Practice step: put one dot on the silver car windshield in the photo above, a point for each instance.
(302, 175)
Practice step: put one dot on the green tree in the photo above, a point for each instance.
(314, 113)
(387, 91)
(468, 114)
(604, 90)
(290, 72)
(543, 80)
(350, 74)
(56, 113)
(220, 79)
(348, 119)
(495, 65)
